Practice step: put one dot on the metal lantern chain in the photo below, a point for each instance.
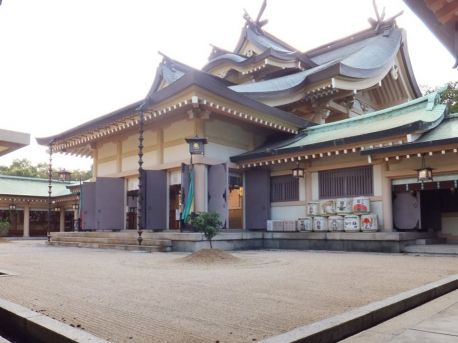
(140, 179)
(49, 193)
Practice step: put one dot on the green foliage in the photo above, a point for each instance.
(4, 227)
(209, 224)
(23, 167)
(449, 97)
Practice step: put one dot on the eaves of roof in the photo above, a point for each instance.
(243, 61)
(92, 124)
(444, 33)
(195, 77)
(192, 77)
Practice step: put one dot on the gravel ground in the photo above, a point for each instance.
(163, 297)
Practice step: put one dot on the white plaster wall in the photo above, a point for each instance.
(149, 159)
(301, 189)
(176, 153)
(227, 131)
(179, 130)
(132, 184)
(377, 174)
(221, 152)
(131, 162)
(149, 138)
(315, 186)
(106, 168)
(450, 225)
(287, 212)
(130, 144)
(107, 150)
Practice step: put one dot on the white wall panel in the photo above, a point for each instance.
(287, 213)
(106, 168)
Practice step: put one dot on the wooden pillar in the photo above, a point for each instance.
(387, 201)
(308, 182)
(200, 187)
(160, 146)
(119, 157)
(62, 220)
(94, 163)
(26, 221)
(75, 223)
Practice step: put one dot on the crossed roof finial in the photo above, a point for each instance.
(258, 23)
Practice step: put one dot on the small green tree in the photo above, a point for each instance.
(209, 224)
(4, 227)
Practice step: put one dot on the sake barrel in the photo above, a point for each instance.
(304, 224)
(351, 223)
(335, 223)
(320, 224)
(312, 208)
(327, 208)
(361, 205)
(344, 206)
(369, 222)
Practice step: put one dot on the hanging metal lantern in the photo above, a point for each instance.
(298, 172)
(64, 175)
(424, 173)
(196, 145)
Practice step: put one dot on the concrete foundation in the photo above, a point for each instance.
(386, 242)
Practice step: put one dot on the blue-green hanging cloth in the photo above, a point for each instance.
(190, 199)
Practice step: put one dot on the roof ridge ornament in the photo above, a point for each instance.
(257, 24)
(379, 23)
(167, 60)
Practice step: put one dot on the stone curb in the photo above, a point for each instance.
(350, 323)
(45, 329)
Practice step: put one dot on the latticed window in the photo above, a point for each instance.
(284, 188)
(348, 182)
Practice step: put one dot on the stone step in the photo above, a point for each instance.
(445, 249)
(120, 240)
(427, 241)
(112, 246)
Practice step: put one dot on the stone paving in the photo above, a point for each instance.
(435, 321)
(139, 297)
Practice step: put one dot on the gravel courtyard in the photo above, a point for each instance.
(164, 297)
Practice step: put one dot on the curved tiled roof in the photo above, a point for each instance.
(363, 59)
(31, 187)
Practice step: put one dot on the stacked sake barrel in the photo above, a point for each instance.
(339, 215)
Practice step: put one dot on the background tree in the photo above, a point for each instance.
(449, 97)
(23, 167)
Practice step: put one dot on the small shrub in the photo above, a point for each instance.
(209, 224)
(4, 227)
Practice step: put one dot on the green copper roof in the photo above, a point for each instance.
(31, 187)
(416, 116)
(425, 110)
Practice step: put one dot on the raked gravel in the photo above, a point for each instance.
(139, 297)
